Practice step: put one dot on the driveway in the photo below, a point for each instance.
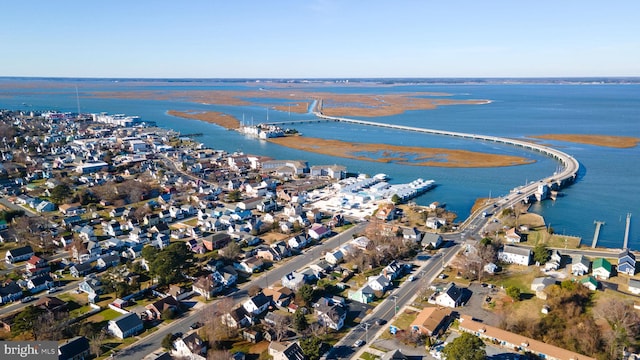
(474, 306)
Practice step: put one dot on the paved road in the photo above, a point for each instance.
(153, 341)
(387, 309)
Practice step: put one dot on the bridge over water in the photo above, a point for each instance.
(567, 174)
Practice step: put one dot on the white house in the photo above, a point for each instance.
(190, 347)
(580, 265)
(515, 255)
(257, 304)
(451, 296)
(125, 325)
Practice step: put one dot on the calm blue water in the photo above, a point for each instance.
(607, 188)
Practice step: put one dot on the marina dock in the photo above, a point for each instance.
(626, 232)
(597, 232)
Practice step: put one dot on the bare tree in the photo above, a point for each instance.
(95, 343)
(624, 323)
(281, 326)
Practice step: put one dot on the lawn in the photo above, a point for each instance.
(368, 356)
(104, 315)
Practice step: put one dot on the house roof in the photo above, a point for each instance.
(73, 347)
(21, 251)
(430, 318)
(516, 250)
(602, 263)
(127, 321)
(467, 323)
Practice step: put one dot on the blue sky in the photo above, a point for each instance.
(319, 38)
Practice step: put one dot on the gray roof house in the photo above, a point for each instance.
(125, 326)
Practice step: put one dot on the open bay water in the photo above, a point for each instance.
(608, 186)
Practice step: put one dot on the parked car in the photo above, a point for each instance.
(196, 325)
(52, 290)
(26, 299)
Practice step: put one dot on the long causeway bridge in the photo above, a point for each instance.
(567, 174)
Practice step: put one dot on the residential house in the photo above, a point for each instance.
(364, 294)
(250, 265)
(330, 314)
(435, 222)
(52, 304)
(168, 303)
(286, 351)
(81, 269)
(394, 270)
(541, 283)
(431, 321)
(601, 269)
(412, 234)
(294, 280)
(9, 291)
(76, 348)
(451, 296)
(281, 296)
(516, 342)
(515, 255)
(91, 285)
(512, 236)
(237, 318)
(39, 283)
(626, 263)
(216, 241)
(257, 304)
(107, 261)
(321, 268)
(634, 286)
(190, 347)
(207, 286)
(125, 326)
(18, 254)
(318, 231)
(554, 262)
(580, 265)
(431, 240)
(298, 242)
(590, 283)
(334, 257)
(378, 283)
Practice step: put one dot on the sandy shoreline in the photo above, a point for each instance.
(620, 142)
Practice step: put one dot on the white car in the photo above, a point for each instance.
(358, 343)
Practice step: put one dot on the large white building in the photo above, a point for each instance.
(515, 255)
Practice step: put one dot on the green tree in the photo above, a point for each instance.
(514, 292)
(395, 199)
(60, 193)
(25, 321)
(167, 342)
(300, 321)
(311, 347)
(540, 253)
(234, 196)
(149, 253)
(306, 293)
(465, 347)
(485, 241)
(168, 264)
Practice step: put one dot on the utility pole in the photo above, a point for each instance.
(395, 305)
(366, 332)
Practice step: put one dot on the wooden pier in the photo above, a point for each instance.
(597, 233)
(626, 232)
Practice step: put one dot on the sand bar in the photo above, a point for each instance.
(405, 155)
(213, 117)
(621, 142)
